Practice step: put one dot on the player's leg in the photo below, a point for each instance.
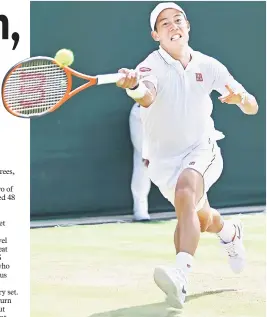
(210, 219)
(188, 197)
(173, 281)
(230, 233)
(188, 192)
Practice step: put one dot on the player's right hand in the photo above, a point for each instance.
(130, 80)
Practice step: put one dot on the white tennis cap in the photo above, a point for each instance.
(159, 8)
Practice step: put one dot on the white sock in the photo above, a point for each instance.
(228, 231)
(184, 261)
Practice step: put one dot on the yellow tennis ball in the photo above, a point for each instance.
(64, 57)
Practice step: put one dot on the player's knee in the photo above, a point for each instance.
(189, 187)
(184, 195)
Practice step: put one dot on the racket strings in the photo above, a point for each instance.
(35, 87)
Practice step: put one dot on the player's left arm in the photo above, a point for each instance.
(245, 101)
(232, 91)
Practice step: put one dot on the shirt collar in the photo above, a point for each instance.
(170, 60)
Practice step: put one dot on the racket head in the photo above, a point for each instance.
(36, 86)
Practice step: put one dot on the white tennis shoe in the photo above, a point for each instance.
(235, 249)
(173, 283)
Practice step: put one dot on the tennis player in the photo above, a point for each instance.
(185, 160)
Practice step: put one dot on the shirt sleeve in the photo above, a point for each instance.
(223, 77)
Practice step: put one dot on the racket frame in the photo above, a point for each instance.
(92, 80)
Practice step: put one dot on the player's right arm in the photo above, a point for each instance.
(143, 90)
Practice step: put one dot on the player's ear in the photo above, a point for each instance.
(188, 25)
(155, 36)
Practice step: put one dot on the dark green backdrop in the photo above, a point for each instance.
(81, 155)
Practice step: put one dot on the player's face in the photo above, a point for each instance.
(172, 29)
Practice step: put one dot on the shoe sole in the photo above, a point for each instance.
(165, 283)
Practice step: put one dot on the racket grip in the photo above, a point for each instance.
(109, 78)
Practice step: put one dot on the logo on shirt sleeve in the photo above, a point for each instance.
(199, 77)
(144, 69)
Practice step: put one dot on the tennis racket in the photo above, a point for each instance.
(39, 85)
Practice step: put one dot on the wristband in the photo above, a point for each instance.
(138, 92)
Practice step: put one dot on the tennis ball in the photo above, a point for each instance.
(64, 57)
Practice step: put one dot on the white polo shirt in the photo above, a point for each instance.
(180, 116)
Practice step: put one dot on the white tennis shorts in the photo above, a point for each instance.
(205, 158)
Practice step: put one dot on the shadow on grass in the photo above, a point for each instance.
(157, 309)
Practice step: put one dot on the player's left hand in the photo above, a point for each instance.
(231, 98)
